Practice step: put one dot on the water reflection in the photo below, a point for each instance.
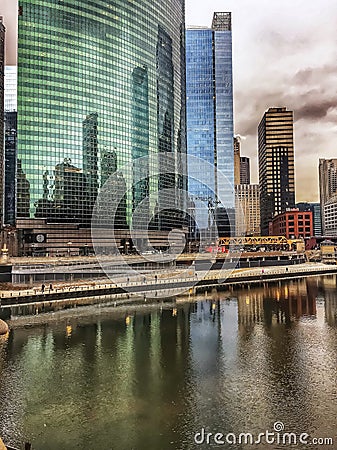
(277, 303)
(232, 362)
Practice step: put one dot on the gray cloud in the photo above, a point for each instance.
(311, 75)
(316, 109)
(284, 55)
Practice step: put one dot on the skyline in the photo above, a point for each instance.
(300, 74)
(304, 35)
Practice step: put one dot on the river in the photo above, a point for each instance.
(162, 378)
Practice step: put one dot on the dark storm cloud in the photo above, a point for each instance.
(311, 75)
(313, 110)
(311, 93)
(282, 77)
(284, 55)
(250, 113)
(321, 96)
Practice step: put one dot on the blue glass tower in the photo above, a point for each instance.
(209, 107)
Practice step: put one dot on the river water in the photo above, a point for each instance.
(232, 362)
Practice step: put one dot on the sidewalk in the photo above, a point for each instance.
(161, 279)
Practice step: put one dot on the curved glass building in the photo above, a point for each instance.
(100, 84)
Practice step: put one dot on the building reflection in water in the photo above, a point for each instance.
(230, 362)
(280, 302)
(327, 291)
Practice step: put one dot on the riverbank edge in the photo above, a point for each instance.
(92, 299)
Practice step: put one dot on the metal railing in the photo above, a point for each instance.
(147, 281)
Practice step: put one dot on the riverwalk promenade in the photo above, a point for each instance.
(142, 288)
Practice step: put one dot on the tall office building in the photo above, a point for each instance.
(244, 170)
(315, 208)
(209, 92)
(100, 84)
(11, 73)
(247, 210)
(328, 194)
(10, 105)
(241, 165)
(2, 125)
(316, 212)
(10, 167)
(276, 164)
(237, 158)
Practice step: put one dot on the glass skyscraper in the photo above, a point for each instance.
(100, 84)
(210, 133)
(10, 167)
(10, 144)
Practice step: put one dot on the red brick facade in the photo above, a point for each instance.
(293, 224)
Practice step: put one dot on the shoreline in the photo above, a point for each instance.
(83, 301)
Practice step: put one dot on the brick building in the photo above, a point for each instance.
(292, 224)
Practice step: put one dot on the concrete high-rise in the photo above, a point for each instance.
(2, 125)
(11, 73)
(328, 194)
(10, 105)
(210, 136)
(247, 210)
(237, 160)
(241, 164)
(98, 85)
(244, 170)
(276, 164)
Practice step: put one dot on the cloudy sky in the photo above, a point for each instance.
(284, 54)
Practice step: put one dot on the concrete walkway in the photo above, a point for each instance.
(159, 280)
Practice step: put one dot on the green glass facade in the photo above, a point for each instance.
(100, 84)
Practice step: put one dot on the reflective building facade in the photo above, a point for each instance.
(10, 167)
(209, 92)
(315, 208)
(100, 84)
